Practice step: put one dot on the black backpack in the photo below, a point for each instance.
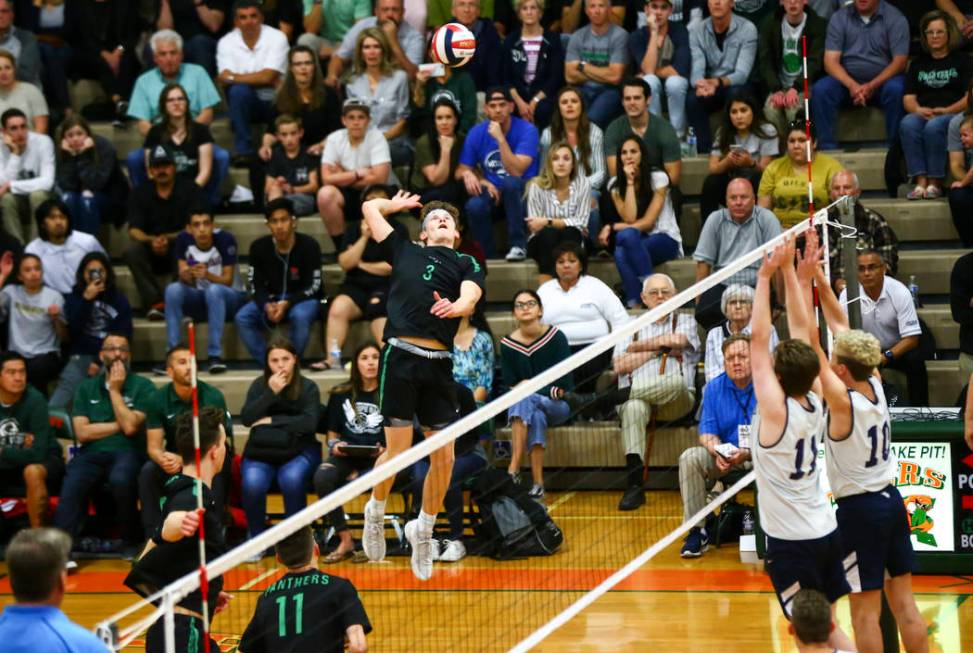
(511, 524)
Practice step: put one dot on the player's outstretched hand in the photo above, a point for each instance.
(443, 307)
(403, 201)
(222, 601)
(773, 260)
(190, 522)
(809, 262)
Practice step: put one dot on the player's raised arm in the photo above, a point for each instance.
(770, 396)
(375, 211)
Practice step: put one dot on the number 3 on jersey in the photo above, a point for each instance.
(428, 274)
(886, 444)
(799, 458)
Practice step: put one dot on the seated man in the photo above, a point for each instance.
(109, 421)
(290, 293)
(208, 284)
(723, 49)
(728, 234)
(31, 462)
(408, 45)
(198, 22)
(21, 43)
(484, 67)
(667, 391)
(737, 306)
(26, 174)
(874, 231)
(595, 60)
(659, 137)
(292, 171)
(499, 157)
(251, 60)
(728, 405)
(889, 314)
(161, 416)
(660, 52)
(865, 54)
(157, 211)
(59, 247)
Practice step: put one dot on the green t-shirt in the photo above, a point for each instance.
(660, 140)
(93, 401)
(460, 89)
(29, 415)
(166, 406)
(424, 157)
(339, 16)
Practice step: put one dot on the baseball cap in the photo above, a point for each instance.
(160, 156)
(355, 104)
(494, 91)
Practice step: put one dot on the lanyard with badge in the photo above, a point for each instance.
(743, 430)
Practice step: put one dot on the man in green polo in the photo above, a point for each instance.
(109, 420)
(170, 401)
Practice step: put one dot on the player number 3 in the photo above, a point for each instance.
(428, 274)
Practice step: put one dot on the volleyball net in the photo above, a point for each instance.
(478, 604)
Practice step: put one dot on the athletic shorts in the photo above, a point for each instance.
(12, 480)
(362, 297)
(414, 386)
(188, 636)
(817, 564)
(875, 527)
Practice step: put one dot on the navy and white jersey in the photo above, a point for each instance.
(793, 506)
(862, 462)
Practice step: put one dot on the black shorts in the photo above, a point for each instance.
(875, 528)
(352, 203)
(12, 480)
(188, 636)
(364, 297)
(413, 386)
(807, 564)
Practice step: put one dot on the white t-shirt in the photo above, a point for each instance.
(60, 262)
(890, 318)
(30, 331)
(586, 312)
(270, 51)
(373, 150)
(666, 222)
(756, 146)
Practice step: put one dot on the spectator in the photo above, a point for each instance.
(961, 12)
(570, 124)
(667, 391)
(812, 622)
(167, 55)
(961, 308)
(931, 102)
(407, 44)
(889, 314)
(292, 171)
(473, 356)
(783, 185)
(106, 51)
(251, 60)
(325, 27)
(437, 156)
(21, 44)
(533, 64)
(198, 23)
(723, 50)
(961, 190)
(37, 561)
(744, 147)
(22, 95)
(583, 307)
(354, 157)
(865, 54)
(161, 427)
(31, 462)
(658, 136)
(455, 85)
(289, 293)
(109, 421)
(281, 411)
(59, 247)
(558, 202)
(87, 166)
(727, 235)
(35, 321)
(872, 230)
(485, 66)
(504, 148)
(662, 58)
(596, 60)
(157, 211)
(728, 407)
(737, 307)
(646, 234)
(26, 174)
(573, 18)
(208, 284)
(53, 21)
(352, 417)
(376, 82)
(533, 347)
(285, 15)
(93, 310)
(780, 56)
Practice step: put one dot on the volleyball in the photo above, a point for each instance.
(453, 44)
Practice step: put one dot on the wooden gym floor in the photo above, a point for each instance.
(707, 604)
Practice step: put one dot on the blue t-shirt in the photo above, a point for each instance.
(222, 253)
(725, 408)
(202, 93)
(482, 149)
(28, 629)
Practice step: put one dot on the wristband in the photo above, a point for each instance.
(888, 355)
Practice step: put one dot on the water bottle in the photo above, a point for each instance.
(914, 289)
(335, 354)
(691, 142)
(747, 522)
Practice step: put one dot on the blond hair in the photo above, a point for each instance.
(859, 348)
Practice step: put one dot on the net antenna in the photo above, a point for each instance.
(200, 510)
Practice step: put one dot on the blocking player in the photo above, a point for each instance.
(306, 610)
(871, 515)
(432, 287)
(803, 546)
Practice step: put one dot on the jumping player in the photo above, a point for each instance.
(432, 288)
(871, 515)
(803, 546)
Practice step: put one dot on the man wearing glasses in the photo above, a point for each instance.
(109, 420)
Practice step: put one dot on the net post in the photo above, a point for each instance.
(849, 259)
(169, 622)
(200, 510)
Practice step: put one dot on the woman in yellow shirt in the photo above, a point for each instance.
(783, 187)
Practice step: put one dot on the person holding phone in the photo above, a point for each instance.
(353, 423)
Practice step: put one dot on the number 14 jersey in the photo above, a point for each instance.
(862, 462)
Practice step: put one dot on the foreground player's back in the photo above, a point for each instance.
(860, 460)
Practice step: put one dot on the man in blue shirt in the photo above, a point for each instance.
(36, 561)
(865, 55)
(728, 405)
(499, 157)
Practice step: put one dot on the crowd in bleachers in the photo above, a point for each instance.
(569, 126)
